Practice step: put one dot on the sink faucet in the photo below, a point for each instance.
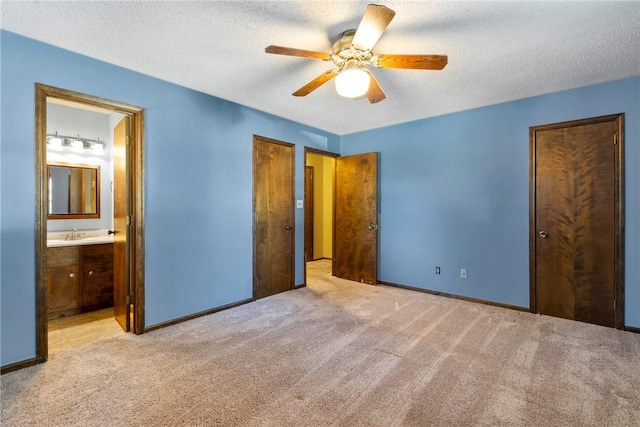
(72, 235)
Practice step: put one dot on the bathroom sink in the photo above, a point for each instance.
(90, 240)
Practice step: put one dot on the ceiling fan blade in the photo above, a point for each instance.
(375, 93)
(375, 20)
(280, 50)
(416, 62)
(316, 83)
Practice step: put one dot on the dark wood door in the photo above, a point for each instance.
(308, 213)
(120, 223)
(273, 211)
(577, 220)
(356, 218)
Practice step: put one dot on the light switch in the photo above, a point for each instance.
(299, 204)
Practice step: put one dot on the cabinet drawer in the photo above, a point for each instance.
(63, 256)
(97, 253)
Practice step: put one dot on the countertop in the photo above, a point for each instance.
(87, 237)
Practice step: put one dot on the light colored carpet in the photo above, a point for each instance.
(340, 353)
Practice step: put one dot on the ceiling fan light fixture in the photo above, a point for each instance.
(352, 82)
(352, 54)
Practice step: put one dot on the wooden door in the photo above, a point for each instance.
(308, 213)
(273, 209)
(355, 255)
(121, 211)
(576, 221)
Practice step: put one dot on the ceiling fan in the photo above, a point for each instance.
(353, 52)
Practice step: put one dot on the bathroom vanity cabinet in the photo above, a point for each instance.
(79, 279)
(63, 271)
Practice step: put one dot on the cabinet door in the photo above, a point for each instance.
(97, 285)
(63, 296)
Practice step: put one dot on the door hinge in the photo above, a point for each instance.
(128, 220)
(615, 138)
(128, 140)
(128, 302)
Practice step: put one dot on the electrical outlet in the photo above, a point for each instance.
(463, 273)
(437, 270)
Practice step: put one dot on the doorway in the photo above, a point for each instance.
(576, 220)
(131, 291)
(273, 216)
(319, 207)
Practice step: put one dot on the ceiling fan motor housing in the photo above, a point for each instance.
(345, 55)
(344, 42)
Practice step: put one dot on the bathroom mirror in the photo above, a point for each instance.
(73, 191)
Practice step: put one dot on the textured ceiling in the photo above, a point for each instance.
(498, 51)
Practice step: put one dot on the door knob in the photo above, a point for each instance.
(373, 227)
(288, 228)
(543, 234)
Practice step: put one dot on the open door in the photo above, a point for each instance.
(356, 222)
(120, 224)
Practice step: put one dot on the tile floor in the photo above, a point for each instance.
(68, 332)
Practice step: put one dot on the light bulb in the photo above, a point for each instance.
(77, 146)
(98, 148)
(352, 82)
(54, 142)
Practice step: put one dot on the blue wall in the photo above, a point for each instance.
(454, 193)
(454, 189)
(198, 176)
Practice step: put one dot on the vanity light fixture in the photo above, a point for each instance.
(76, 144)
